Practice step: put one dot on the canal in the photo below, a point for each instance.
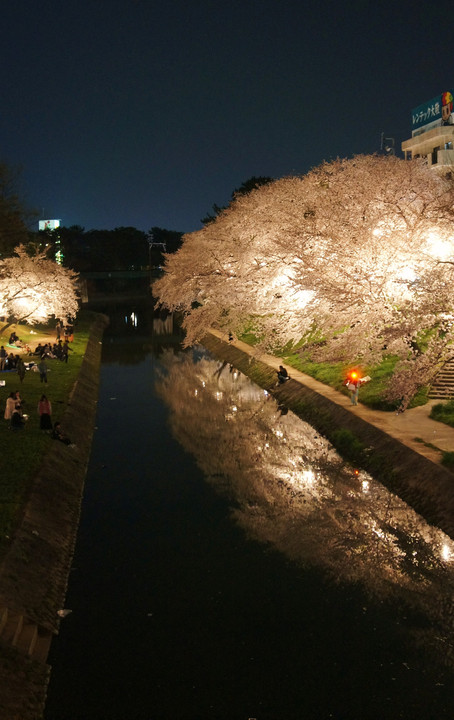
(230, 565)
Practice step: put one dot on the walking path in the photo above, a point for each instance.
(414, 428)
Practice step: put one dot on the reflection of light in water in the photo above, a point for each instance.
(300, 479)
(292, 490)
(378, 531)
(446, 553)
(132, 319)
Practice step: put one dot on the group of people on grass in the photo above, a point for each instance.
(14, 413)
(17, 418)
(9, 361)
(58, 350)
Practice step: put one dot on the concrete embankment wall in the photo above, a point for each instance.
(423, 484)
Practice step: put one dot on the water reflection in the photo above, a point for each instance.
(136, 330)
(289, 487)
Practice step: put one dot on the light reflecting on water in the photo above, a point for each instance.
(289, 488)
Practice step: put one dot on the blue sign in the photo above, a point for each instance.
(426, 113)
(440, 108)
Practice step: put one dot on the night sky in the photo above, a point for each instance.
(145, 113)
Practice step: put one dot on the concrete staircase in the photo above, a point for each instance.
(443, 384)
(17, 631)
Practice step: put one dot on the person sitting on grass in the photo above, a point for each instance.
(58, 434)
(282, 375)
(17, 419)
(10, 405)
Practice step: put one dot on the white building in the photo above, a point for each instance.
(433, 133)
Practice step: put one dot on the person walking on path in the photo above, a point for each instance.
(353, 384)
(42, 367)
(45, 413)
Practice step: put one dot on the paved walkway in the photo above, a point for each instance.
(405, 427)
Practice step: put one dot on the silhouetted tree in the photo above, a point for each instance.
(15, 218)
(245, 188)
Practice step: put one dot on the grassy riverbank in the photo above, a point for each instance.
(23, 451)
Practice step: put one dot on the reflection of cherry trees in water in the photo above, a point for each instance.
(290, 489)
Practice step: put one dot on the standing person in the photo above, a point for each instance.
(20, 366)
(58, 329)
(45, 413)
(3, 355)
(65, 351)
(10, 405)
(353, 384)
(42, 367)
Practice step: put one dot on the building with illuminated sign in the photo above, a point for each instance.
(49, 224)
(53, 225)
(432, 134)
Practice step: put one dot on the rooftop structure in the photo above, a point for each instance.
(433, 133)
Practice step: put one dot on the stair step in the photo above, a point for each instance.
(12, 628)
(24, 635)
(3, 618)
(27, 638)
(42, 647)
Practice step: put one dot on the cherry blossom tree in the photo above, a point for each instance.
(358, 253)
(32, 288)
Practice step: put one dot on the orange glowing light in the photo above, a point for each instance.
(354, 375)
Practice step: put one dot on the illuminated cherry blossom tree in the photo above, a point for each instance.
(32, 288)
(361, 250)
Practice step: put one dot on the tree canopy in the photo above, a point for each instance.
(357, 253)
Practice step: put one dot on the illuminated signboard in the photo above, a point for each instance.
(435, 112)
(49, 224)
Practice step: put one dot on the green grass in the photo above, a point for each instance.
(444, 412)
(334, 374)
(23, 451)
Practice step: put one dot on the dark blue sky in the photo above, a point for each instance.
(143, 113)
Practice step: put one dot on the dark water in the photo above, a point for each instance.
(229, 565)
